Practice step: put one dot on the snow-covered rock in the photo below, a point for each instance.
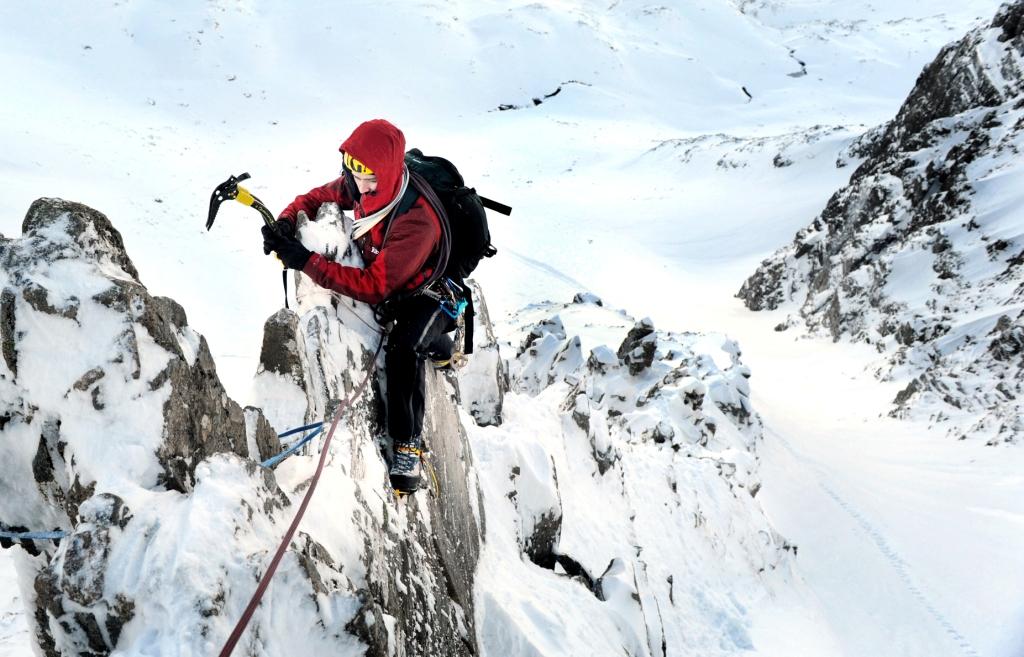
(110, 402)
(921, 253)
(117, 431)
(626, 475)
(413, 564)
(484, 381)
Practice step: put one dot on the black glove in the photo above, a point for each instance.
(272, 234)
(291, 252)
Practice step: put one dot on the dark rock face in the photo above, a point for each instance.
(637, 350)
(892, 259)
(423, 576)
(640, 330)
(199, 420)
(91, 230)
(8, 331)
(540, 546)
(456, 503)
(587, 297)
(1009, 338)
(259, 431)
(280, 351)
(37, 297)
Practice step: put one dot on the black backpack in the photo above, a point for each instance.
(465, 239)
(469, 239)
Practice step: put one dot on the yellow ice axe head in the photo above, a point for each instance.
(229, 190)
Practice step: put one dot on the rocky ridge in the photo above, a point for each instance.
(129, 443)
(171, 519)
(921, 253)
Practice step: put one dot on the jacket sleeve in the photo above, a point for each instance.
(310, 202)
(406, 253)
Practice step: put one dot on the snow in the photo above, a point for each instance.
(15, 637)
(654, 507)
(652, 183)
(911, 277)
(895, 529)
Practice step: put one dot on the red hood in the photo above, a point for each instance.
(380, 146)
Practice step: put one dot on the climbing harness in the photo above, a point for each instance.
(449, 294)
(229, 190)
(456, 301)
(250, 609)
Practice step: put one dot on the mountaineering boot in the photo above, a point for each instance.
(440, 352)
(406, 468)
(441, 362)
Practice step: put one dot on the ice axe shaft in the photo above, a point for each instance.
(229, 190)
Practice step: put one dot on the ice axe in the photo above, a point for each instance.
(229, 190)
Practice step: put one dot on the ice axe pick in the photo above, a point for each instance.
(229, 190)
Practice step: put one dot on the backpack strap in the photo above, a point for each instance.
(500, 208)
(409, 200)
(421, 186)
(418, 187)
(469, 315)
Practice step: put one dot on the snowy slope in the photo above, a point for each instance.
(155, 105)
(166, 103)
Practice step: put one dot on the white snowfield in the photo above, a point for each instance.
(687, 142)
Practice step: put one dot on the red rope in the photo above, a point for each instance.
(243, 622)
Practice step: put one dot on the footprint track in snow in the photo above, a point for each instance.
(899, 564)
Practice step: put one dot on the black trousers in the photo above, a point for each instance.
(419, 332)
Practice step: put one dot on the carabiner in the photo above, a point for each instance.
(454, 312)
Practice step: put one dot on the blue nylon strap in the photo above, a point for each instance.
(269, 463)
(274, 460)
(300, 429)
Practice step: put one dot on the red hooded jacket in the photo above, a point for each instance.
(406, 259)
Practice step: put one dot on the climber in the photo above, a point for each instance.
(373, 181)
